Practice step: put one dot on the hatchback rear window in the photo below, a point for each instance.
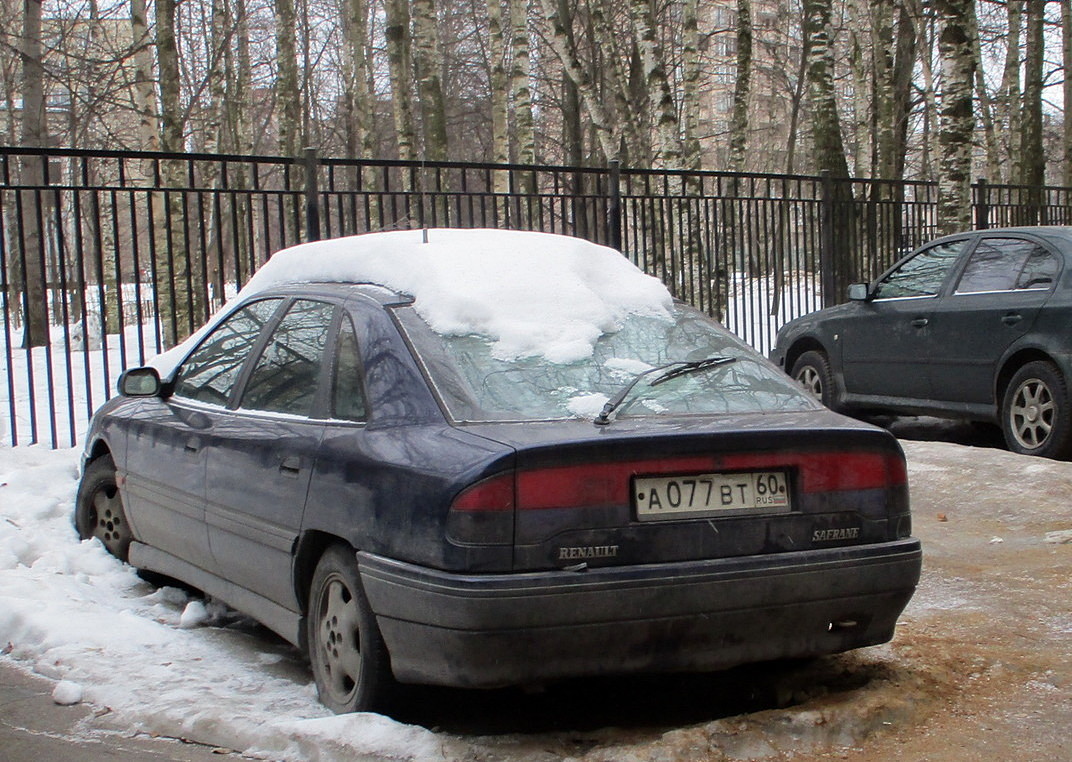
(475, 385)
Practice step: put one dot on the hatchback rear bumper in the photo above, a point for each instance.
(501, 629)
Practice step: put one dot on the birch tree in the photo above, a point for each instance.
(428, 63)
(34, 134)
(1066, 60)
(1033, 169)
(825, 122)
(521, 83)
(287, 94)
(500, 95)
(957, 117)
(400, 65)
(739, 118)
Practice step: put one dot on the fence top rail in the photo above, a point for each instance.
(419, 164)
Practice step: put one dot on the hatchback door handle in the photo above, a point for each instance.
(290, 465)
(920, 322)
(1012, 319)
(192, 446)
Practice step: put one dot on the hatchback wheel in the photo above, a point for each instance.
(349, 658)
(1035, 412)
(99, 508)
(812, 371)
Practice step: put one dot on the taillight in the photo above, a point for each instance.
(483, 513)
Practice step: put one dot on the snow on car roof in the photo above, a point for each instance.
(532, 294)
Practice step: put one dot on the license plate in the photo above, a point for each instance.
(675, 497)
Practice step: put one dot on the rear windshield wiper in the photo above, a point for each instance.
(669, 371)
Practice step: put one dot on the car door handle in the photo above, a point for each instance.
(192, 446)
(920, 322)
(291, 465)
(1012, 319)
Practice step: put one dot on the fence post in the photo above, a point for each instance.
(614, 220)
(312, 196)
(827, 276)
(982, 205)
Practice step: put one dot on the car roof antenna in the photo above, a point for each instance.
(424, 235)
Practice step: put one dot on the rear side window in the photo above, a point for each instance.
(286, 375)
(209, 374)
(347, 394)
(1007, 264)
(922, 275)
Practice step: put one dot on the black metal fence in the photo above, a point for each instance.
(107, 258)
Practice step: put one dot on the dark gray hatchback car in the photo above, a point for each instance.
(976, 325)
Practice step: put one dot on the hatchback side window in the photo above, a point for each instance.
(209, 374)
(922, 275)
(347, 394)
(1007, 264)
(286, 375)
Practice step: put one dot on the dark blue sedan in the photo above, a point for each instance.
(414, 505)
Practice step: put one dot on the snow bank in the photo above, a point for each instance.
(161, 662)
(532, 294)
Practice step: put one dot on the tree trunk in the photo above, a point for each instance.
(287, 94)
(904, 62)
(1034, 160)
(500, 96)
(521, 83)
(429, 63)
(826, 126)
(668, 146)
(175, 281)
(397, 34)
(739, 117)
(144, 92)
(34, 134)
(1009, 113)
(1066, 59)
(356, 80)
(957, 128)
(693, 152)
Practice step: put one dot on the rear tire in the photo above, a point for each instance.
(1035, 412)
(99, 508)
(812, 371)
(349, 659)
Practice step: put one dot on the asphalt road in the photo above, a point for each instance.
(34, 728)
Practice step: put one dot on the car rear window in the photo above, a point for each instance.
(475, 385)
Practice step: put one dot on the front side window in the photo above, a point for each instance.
(209, 374)
(922, 275)
(1007, 264)
(286, 375)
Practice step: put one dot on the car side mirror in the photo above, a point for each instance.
(859, 292)
(140, 382)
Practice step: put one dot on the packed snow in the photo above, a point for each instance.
(532, 294)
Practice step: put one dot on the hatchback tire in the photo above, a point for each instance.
(99, 508)
(812, 371)
(1035, 412)
(348, 655)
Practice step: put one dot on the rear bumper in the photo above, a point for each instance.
(492, 630)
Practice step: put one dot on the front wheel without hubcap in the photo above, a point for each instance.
(1035, 412)
(347, 652)
(99, 508)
